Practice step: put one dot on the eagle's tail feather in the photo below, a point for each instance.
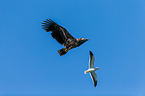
(62, 51)
(48, 25)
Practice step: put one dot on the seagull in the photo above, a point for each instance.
(92, 69)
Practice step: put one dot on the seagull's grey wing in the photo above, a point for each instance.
(94, 78)
(92, 60)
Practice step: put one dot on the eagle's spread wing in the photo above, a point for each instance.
(58, 32)
(94, 78)
(92, 60)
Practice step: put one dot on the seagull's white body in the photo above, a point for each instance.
(92, 69)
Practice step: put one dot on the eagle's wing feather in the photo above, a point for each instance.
(67, 34)
(58, 32)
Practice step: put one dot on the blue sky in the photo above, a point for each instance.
(31, 66)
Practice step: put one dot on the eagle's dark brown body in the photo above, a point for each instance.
(62, 36)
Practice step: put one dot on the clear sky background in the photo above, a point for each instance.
(31, 66)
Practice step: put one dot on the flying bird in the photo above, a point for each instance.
(62, 36)
(92, 69)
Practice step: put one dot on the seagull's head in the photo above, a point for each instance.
(97, 68)
(81, 41)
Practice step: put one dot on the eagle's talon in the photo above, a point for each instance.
(66, 50)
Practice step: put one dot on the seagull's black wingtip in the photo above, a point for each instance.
(91, 52)
(95, 84)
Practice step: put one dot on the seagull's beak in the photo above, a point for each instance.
(99, 69)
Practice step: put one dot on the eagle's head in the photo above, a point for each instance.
(81, 41)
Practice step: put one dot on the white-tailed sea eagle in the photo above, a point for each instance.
(62, 36)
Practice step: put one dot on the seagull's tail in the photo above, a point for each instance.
(85, 72)
(62, 51)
